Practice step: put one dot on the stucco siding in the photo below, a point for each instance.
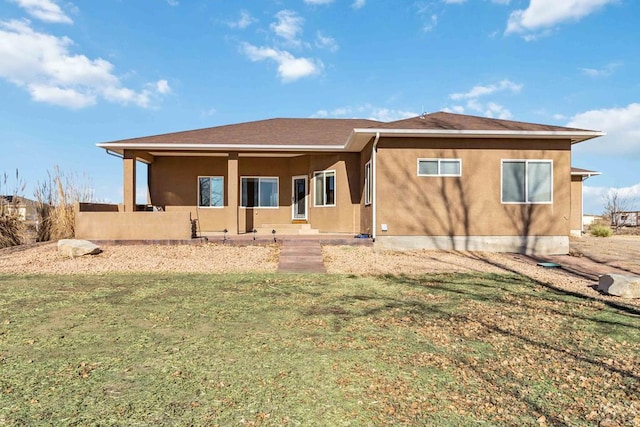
(576, 205)
(469, 205)
(174, 187)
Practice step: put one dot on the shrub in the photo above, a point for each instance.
(56, 198)
(11, 231)
(12, 228)
(599, 230)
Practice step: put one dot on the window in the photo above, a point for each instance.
(325, 188)
(527, 181)
(259, 192)
(211, 191)
(439, 167)
(368, 183)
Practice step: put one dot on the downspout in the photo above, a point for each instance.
(374, 227)
(114, 154)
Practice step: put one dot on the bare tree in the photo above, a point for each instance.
(615, 203)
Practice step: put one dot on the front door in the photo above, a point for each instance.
(299, 198)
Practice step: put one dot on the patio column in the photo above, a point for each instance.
(129, 191)
(232, 193)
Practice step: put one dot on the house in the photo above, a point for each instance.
(440, 181)
(24, 208)
(590, 219)
(626, 219)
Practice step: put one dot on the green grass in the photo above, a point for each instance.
(312, 350)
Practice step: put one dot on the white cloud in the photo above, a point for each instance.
(318, 2)
(478, 91)
(69, 98)
(326, 42)
(173, 2)
(44, 10)
(288, 26)
(430, 23)
(622, 126)
(487, 109)
(162, 86)
(244, 21)
(290, 68)
(208, 113)
(358, 4)
(543, 14)
(607, 70)
(454, 1)
(505, 2)
(367, 111)
(43, 65)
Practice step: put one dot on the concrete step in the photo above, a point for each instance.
(301, 256)
(286, 226)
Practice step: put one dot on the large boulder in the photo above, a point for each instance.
(74, 248)
(621, 285)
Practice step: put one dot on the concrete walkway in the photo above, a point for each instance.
(301, 256)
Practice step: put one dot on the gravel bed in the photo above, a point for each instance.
(206, 258)
(216, 258)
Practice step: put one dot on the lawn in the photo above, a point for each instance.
(306, 350)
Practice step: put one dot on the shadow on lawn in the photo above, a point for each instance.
(450, 284)
(625, 308)
(420, 307)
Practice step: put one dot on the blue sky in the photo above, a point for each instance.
(75, 73)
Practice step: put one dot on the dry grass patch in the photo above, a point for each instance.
(439, 349)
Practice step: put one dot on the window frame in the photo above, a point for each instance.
(222, 195)
(260, 178)
(526, 181)
(368, 183)
(439, 160)
(324, 186)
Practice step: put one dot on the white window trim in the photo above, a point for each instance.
(198, 192)
(438, 160)
(526, 181)
(335, 189)
(259, 178)
(306, 196)
(368, 184)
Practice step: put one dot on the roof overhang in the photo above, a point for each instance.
(355, 143)
(585, 174)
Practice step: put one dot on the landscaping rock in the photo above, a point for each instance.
(74, 248)
(620, 285)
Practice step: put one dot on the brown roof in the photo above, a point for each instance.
(451, 121)
(578, 171)
(298, 133)
(271, 131)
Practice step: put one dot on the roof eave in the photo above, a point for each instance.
(120, 147)
(575, 136)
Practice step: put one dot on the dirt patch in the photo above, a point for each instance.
(622, 251)
(368, 261)
(209, 258)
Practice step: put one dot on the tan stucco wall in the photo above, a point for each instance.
(132, 226)
(576, 205)
(470, 205)
(174, 186)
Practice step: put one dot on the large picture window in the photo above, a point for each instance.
(325, 188)
(439, 167)
(368, 184)
(211, 191)
(527, 181)
(259, 192)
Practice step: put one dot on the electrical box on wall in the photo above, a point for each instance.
(383, 227)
